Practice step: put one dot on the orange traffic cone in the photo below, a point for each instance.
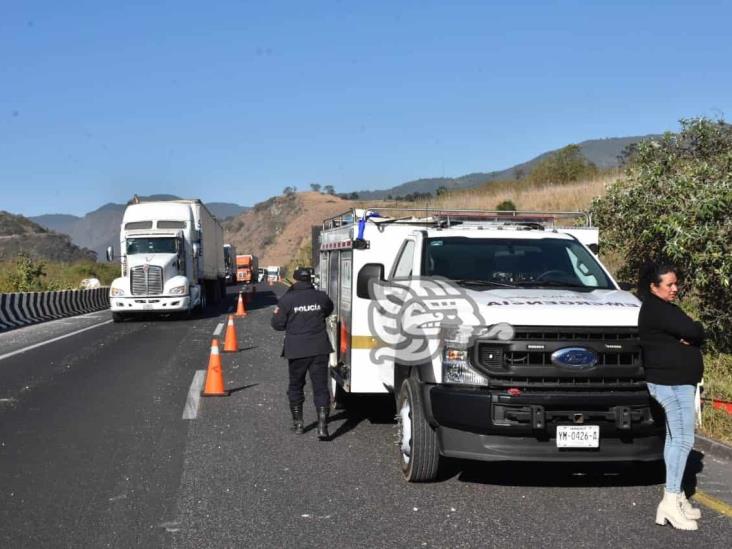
(230, 342)
(214, 376)
(241, 309)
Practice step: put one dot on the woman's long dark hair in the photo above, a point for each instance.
(651, 273)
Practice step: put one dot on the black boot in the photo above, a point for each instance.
(323, 423)
(297, 423)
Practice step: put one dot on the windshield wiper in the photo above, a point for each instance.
(478, 282)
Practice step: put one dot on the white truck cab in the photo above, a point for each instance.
(501, 335)
(172, 259)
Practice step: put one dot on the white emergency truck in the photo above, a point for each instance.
(172, 259)
(500, 334)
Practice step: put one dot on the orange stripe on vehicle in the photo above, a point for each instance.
(364, 342)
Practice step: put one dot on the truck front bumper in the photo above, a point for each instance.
(160, 304)
(492, 425)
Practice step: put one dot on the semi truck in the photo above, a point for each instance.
(230, 264)
(172, 259)
(246, 269)
(500, 335)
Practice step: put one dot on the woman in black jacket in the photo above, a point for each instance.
(671, 343)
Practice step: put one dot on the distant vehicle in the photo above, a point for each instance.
(260, 274)
(273, 273)
(172, 258)
(246, 266)
(230, 264)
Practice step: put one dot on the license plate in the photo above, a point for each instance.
(147, 306)
(578, 436)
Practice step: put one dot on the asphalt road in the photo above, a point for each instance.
(94, 453)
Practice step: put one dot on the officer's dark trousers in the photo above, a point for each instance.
(318, 367)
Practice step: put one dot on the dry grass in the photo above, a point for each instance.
(717, 424)
(550, 197)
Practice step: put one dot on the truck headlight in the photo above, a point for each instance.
(177, 290)
(116, 292)
(456, 369)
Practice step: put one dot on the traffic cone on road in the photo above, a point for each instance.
(214, 376)
(241, 309)
(231, 344)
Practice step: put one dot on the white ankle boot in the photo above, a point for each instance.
(670, 510)
(689, 511)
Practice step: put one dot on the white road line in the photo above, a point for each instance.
(219, 329)
(190, 410)
(42, 343)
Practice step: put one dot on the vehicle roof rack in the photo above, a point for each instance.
(446, 218)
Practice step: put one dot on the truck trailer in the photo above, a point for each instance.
(500, 335)
(172, 259)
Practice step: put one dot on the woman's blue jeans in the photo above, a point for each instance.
(677, 402)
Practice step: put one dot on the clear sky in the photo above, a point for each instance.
(234, 100)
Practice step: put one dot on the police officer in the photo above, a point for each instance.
(301, 313)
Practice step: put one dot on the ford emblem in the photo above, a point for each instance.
(574, 357)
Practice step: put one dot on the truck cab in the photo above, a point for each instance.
(501, 339)
(171, 256)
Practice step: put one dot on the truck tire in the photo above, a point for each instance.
(419, 451)
(118, 317)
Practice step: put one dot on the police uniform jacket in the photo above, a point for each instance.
(301, 313)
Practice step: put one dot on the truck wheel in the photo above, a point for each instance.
(419, 453)
(118, 317)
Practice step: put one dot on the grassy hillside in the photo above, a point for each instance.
(525, 195)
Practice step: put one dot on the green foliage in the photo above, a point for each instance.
(673, 204)
(441, 190)
(506, 206)
(563, 166)
(28, 275)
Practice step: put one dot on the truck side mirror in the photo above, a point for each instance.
(110, 253)
(369, 272)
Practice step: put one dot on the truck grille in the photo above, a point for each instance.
(150, 283)
(526, 359)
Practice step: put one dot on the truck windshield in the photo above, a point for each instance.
(501, 262)
(148, 245)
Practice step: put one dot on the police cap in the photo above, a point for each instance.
(301, 275)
